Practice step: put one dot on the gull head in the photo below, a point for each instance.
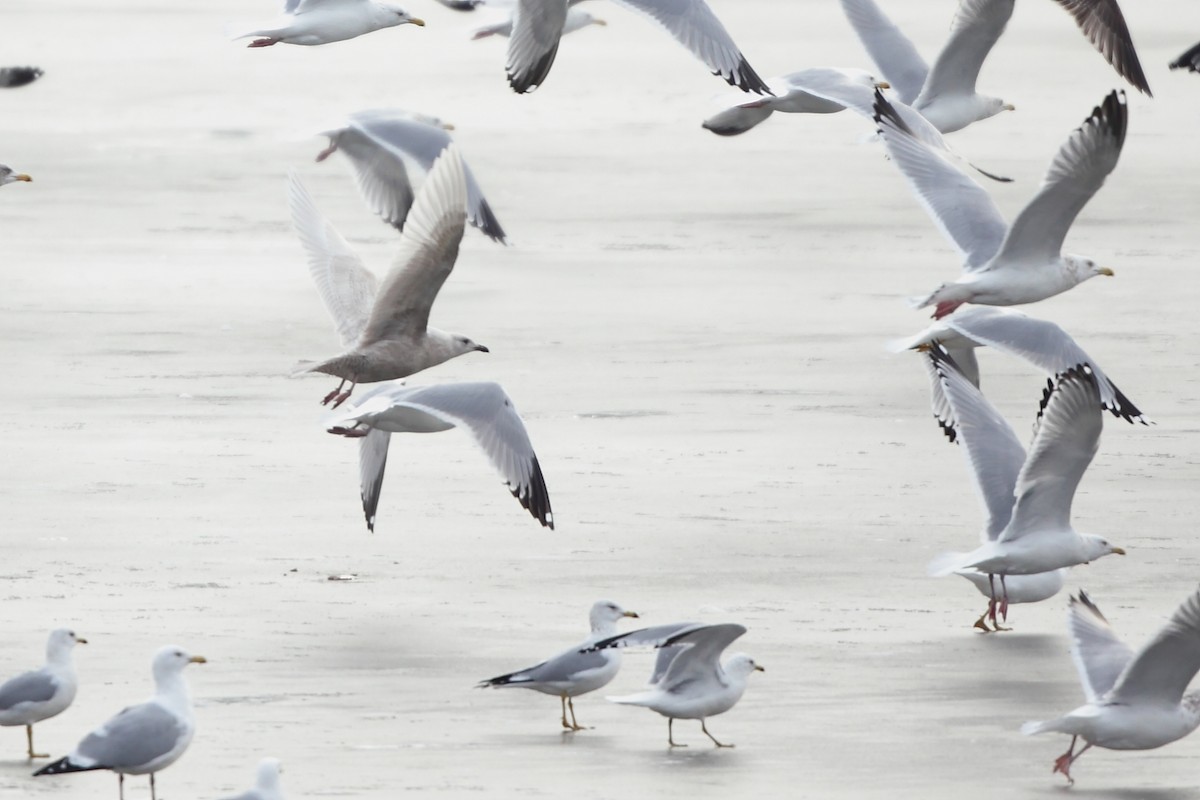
(994, 105)
(1097, 547)
(8, 176)
(395, 15)
(171, 660)
(268, 774)
(1083, 268)
(741, 665)
(61, 642)
(605, 614)
(462, 344)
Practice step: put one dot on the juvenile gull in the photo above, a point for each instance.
(44, 692)
(484, 410)
(12, 77)
(538, 27)
(576, 670)
(1041, 343)
(145, 738)
(689, 680)
(7, 175)
(388, 149)
(1026, 497)
(266, 786)
(1023, 262)
(313, 22)
(1135, 701)
(386, 332)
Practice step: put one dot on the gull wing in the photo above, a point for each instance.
(537, 27)
(1076, 173)
(347, 288)
(428, 250)
(1104, 25)
(1189, 60)
(993, 452)
(1099, 655)
(12, 77)
(976, 29)
(892, 51)
(959, 207)
(696, 27)
(372, 460)
(701, 660)
(135, 737)
(1067, 438)
(1161, 671)
(37, 686)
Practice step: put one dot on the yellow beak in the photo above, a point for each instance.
(883, 85)
(1119, 551)
(80, 641)
(197, 660)
(417, 21)
(1106, 271)
(23, 177)
(1009, 107)
(599, 22)
(632, 614)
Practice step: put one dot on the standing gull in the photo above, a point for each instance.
(689, 680)
(1041, 343)
(1026, 497)
(386, 332)
(1135, 701)
(42, 693)
(572, 672)
(388, 149)
(538, 27)
(266, 786)
(313, 22)
(1009, 264)
(484, 410)
(145, 738)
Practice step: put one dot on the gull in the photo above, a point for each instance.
(944, 94)
(12, 77)
(388, 148)
(816, 90)
(576, 20)
(7, 175)
(484, 410)
(386, 332)
(141, 739)
(896, 57)
(313, 22)
(1017, 589)
(689, 680)
(266, 786)
(1041, 343)
(538, 26)
(1010, 264)
(1026, 497)
(575, 671)
(1189, 60)
(44, 692)
(1135, 701)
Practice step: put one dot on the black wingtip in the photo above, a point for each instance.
(488, 223)
(745, 78)
(1112, 116)
(12, 77)
(535, 76)
(536, 499)
(1123, 408)
(1190, 60)
(63, 765)
(884, 112)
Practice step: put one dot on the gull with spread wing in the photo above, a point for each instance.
(575, 671)
(1135, 701)
(389, 148)
(538, 26)
(1009, 264)
(816, 90)
(42, 693)
(689, 680)
(386, 331)
(1026, 497)
(483, 410)
(314, 22)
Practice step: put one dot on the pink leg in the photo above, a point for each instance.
(1063, 763)
(945, 307)
(992, 599)
(344, 396)
(1004, 602)
(263, 42)
(333, 395)
(327, 152)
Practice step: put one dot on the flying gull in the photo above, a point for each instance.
(574, 671)
(1135, 701)
(1023, 262)
(576, 20)
(42, 693)
(538, 27)
(386, 332)
(313, 22)
(142, 739)
(689, 680)
(1026, 497)
(816, 90)
(484, 410)
(388, 149)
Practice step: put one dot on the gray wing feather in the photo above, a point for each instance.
(892, 51)
(976, 29)
(36, 686)
(537, 28)
(1099, 655)
(701, 660)
(372, 460)
(1104, 25)
(133, 738)
(656, 636)
(1161, 671)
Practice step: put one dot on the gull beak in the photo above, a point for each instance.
(80, 640)
(1009, 107)
(758, 668)
(417, 21)
(599, 22)
(23, 177)
(883, 85)
(1106, 271)
(197, 660)
(482, 349)
(1119, 551)
(631, 614)
(447, 126)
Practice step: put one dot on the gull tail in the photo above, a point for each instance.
(639, 699)
(500, 681)
(1034, 728)
(65, 764)
(302, 368)
(920, 301)
(947, 564)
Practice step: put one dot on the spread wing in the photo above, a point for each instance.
(537, 28)
(1161, 671)
(1099, 655)
(976, 29)
(892, 51)
(700, 661)
(1189, 60)
(1076, 173)
(1104, 25)
(372, 460)
(428, 250)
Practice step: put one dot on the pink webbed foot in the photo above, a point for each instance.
(1063, 764)
(263, 43)
(945, 308)
(341, 398)
(327, 152)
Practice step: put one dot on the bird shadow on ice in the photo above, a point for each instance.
(1131, 793)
